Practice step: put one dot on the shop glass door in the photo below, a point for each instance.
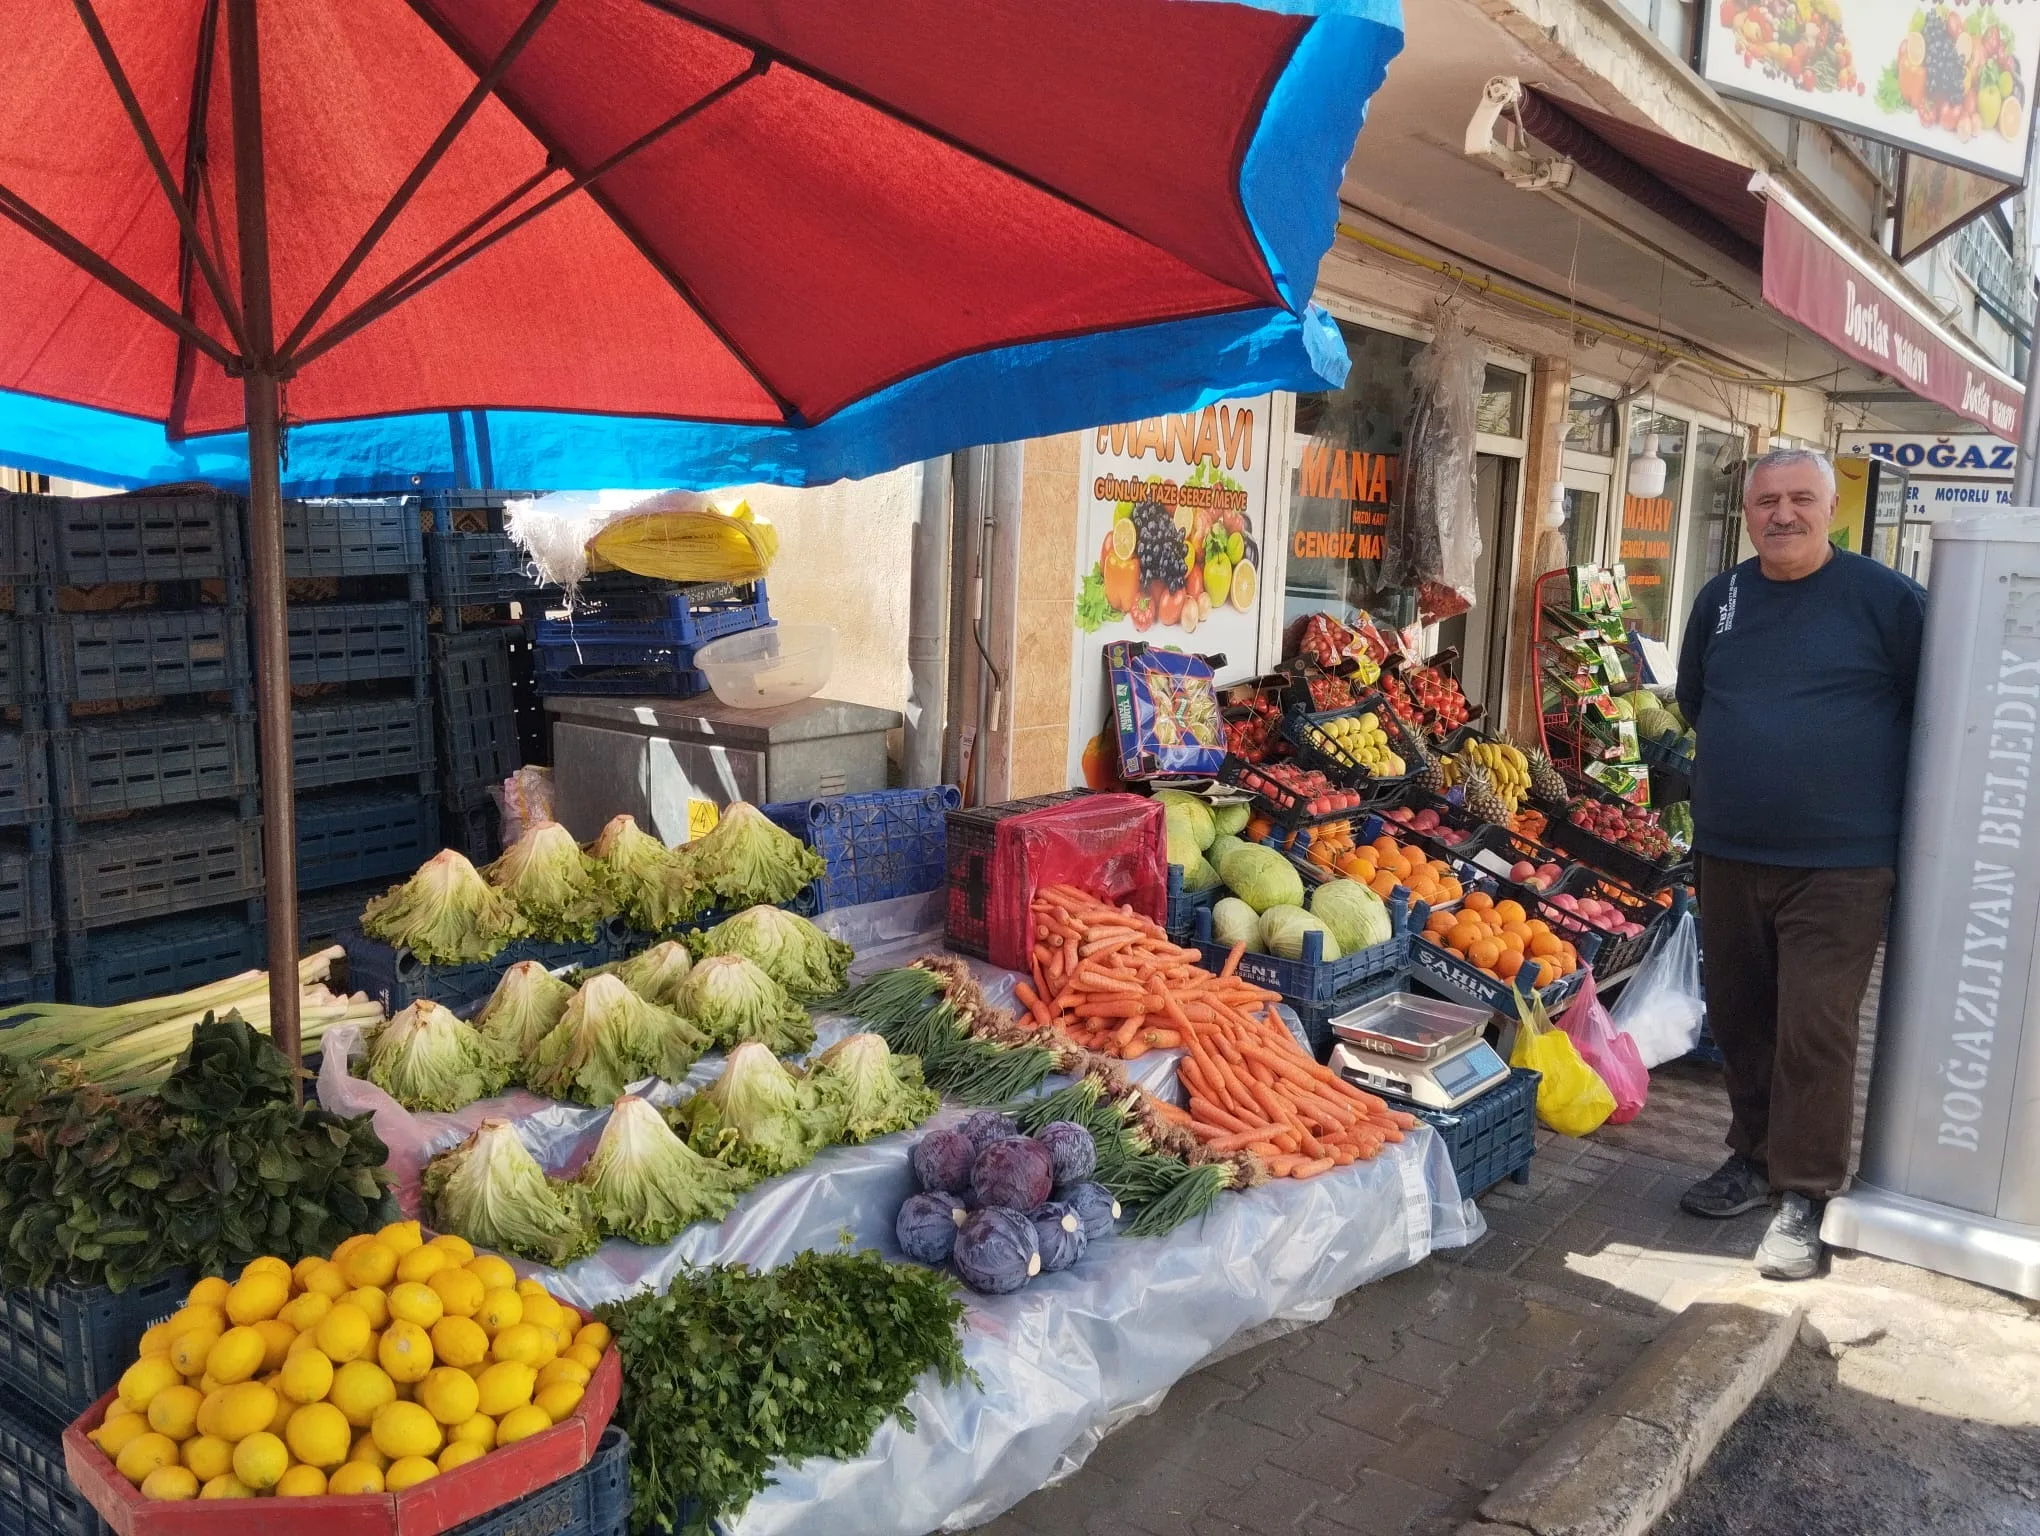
(1651, 525)
(1482, 634)
(1586, 501)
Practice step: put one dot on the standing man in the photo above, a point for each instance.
(1797, 672)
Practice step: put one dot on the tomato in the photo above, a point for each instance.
(1171, 608)
(1142, 612)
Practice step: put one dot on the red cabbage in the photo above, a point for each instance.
(1059, 1233)
(927, 1227)
(942, 1161)
(1075, 1153)
(996, 1251)
(1017, 1172)
(1095, 1207)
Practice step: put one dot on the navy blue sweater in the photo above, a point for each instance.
(1802, 694)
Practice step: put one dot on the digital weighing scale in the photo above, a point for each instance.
(1417, 1048)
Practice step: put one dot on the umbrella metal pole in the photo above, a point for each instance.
(261, 392)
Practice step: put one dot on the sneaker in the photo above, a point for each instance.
(1791, 1249)
(1738, 1185)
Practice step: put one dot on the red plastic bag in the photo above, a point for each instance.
(1114, 846)
(1608, 1051)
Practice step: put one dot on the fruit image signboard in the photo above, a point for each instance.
(1951, 81)
(1171, 517)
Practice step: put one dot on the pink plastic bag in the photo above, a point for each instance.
(1608, 1051)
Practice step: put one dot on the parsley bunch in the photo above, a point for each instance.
(731, 1371)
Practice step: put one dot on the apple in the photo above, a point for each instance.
(1522, 870)
(1549, 872)
(1566, 903)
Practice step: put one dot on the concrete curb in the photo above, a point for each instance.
(1613, 1470)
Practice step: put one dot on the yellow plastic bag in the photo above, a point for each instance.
(687, 544)
(1571, 1099)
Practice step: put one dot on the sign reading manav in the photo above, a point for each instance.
(1953, 81)
(1958, 475)
(1171, 515)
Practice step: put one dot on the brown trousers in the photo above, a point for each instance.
(1787, 955)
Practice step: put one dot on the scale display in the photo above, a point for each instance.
(1445, 1082)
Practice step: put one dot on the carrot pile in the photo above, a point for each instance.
(1113, 981)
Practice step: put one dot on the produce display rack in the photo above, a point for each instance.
(878, 846)
(1563, 742)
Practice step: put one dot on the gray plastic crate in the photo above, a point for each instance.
(94, 540)
(156, 866)
(109, 764)
(356, 642)
(161, 956)
(25, 918)
(347, 741)
(145, 653)
(20, 655)
(24, 778)
(353, 538)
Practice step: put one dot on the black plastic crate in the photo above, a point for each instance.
(145, 653)
(1640, 874)
(1439, 971)
(396, 978)
(25, 913)
(970, 845)
(470, 824)
(356, 642)
(348, 741)
(36, 1497)
(473, 676)
(352, 538)
(24, 777)
(107, 764)
(619, 670)
(156, 866)
(472, 569)
(1615, 954)
(323, 916)
(94, 540)
(349, 835)
(1315, 746)
(594, 1501)
(21, 676)
(1491, 1138)
(443, 508)
(166, 955)
(62, 1348)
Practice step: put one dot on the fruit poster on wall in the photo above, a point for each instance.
(1953, 81)
(1171, 520)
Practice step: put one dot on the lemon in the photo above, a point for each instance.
(226, 1486)
(268, 1264)
(505, 1385)
(558, 1400)
(143, 1454)
(459, 1341)
(174, 1412)
(569, 1318)
(530, 1287)
(113, 1436)
(408, 1473)
(206, 1383)
(191, 1349)
(196, 1314)
(449, 1395)
(359, 1388)
(236, 1357)
(326, 1280)
(343, 1333)
(572, 1372)
(501, 1308)
(405, 1429)
(479, 1430)
(155, 1341)
(277, 1339)
(364, 1451)
(455, 1247)
(373, 1300)
(260, 1294)
(302, 1312)
(412, 1301)
(459, 1454)
(308, 1340)
(319, 1435)
(355, 1478)
(594, 1335)
(208, 1420)
(348, 1245)
(521, 1342)
(542, 1311)
(208, 1456)
(301, 1271)
(522, 1423)
(169, 1483)
(246, 1410)
(400, 1237)
(421, 1264)
(460, 1292)
(406, 1352)
(284, 1409)
(209, 1292)
(370, 1264)
(260, 1460)
(583, 1355)
(307, 1377)
(118, 1410)
(140, 1382)
(494, 1273)
(301, 1483)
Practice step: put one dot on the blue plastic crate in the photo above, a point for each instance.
(106, 765)
(475, 695)
(473, 569)
(1438, 970)
(470, 824)
(26, 976)
(62, 1348)
(89, 541)
(36, 1497)
(348, 835)
(323, 916)
(25, 913)
(24, 777)
(17, 542)
(691, 613)
(154, 959)
(363, 537)
(650, 654)
(345, 741)
(1316, 1018)
(594, 1501)
(1491, 1138)
(1312, 979)
(21, 678)
(877, 845)
(132, 654)
(355, 642)
(396, 978)
(1185, 905)
(156, 866)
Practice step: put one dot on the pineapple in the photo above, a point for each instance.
(1546, 787)
(1481, 799)
(1429, 772)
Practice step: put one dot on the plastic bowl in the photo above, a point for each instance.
(764, 668)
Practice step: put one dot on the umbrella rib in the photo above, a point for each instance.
(762, 58)
(103, 46)
(195, 191)
(19, 211)
(484, 87)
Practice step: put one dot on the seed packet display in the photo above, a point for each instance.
(1164, 711)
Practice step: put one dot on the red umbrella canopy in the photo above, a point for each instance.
(741, 211)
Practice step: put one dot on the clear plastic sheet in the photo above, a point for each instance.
(1064, 1360)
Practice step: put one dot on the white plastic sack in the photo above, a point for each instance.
(1662, 1008)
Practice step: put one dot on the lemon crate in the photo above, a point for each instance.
(877, 845)
(1437, 969)
(64, 1347)
(396, 978)
(162, 956)
(36, 1497)
(1317, 748)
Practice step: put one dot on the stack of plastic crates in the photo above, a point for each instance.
(27, 954)
(629, 637)
(362, 756)
(143, 621)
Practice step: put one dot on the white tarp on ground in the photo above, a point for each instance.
(1061, 1361)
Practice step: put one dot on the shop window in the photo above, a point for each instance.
(1590, 424)
(1715, 527)
(1651, 526)
(1500, 412)
(1583, 524)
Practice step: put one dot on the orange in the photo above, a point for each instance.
(1510, 963)
(1485, 954)
(1439, 923)
(1452, 888)
(1383, 885)
(1518, 931)
(1480, 901)
(1383, 845)
(1537, 925)
(1543, 945)
(1466, 934)
(1364, 869)
(1547, 973)
(1510, 911)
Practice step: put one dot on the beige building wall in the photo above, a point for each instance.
(1047, 608)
